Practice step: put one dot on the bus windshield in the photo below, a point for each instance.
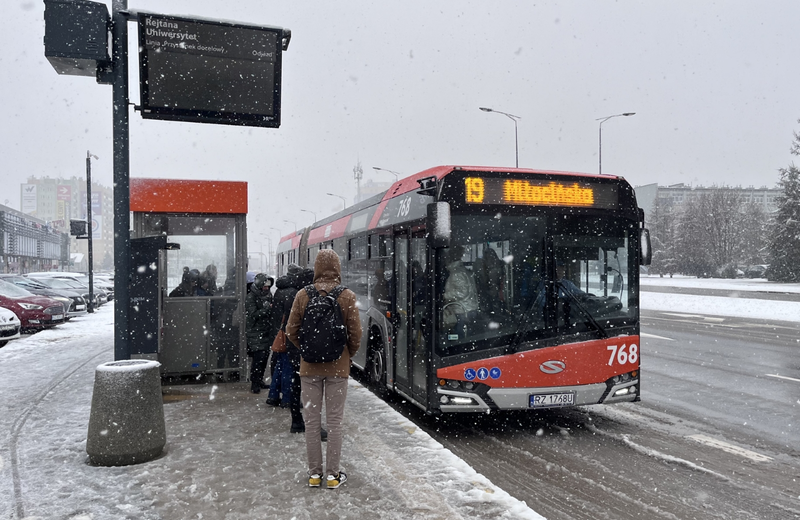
(506, 280)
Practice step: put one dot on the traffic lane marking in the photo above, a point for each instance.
(653, 336)
(729, 448)
(783, 377)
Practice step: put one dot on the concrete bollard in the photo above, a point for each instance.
(126, 424)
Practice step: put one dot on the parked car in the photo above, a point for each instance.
(756, 271)
(9, 326)
(34, 312)
(72, 300)
(99, 290)
(66, 284)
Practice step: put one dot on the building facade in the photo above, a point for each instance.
(678, 195)
(56, 201)
(29, 244)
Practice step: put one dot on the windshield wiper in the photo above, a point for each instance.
(524, 321)
(582, 308)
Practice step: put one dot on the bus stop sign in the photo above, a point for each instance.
(210, 71)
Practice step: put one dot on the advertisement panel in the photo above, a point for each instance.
(97, 226)
(28, 199)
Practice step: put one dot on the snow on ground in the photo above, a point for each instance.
(741, 307)
(739, 284)
(720, 306)
(228, 455)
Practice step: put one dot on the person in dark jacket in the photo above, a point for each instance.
(287, 287)
(261, 330)
(188, 285)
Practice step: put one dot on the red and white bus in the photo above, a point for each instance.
(492, 289)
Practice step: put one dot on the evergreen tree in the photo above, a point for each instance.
(784, 246)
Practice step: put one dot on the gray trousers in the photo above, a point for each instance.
(334, 390)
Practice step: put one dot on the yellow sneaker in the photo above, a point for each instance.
(334, 481)
(315, 480)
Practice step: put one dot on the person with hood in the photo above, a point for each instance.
(287, 286)
(188, 285)
(260, 329)
(325, 380)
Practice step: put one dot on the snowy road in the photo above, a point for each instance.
(715, 436)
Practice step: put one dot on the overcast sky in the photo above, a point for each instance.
(398, 85)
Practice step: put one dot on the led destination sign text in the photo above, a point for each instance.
(481, 190)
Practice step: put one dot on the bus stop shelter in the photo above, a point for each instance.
(188, 267)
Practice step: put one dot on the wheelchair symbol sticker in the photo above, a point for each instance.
(469, 374)
(483, 373)
(495, 373)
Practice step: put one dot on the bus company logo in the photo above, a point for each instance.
(327, 231)
(552, 367)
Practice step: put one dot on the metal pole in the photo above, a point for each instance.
(600, 149)
(516, 143)
(600, 138)
(122, 237)
(90, 303)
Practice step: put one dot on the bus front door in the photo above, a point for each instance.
(410, 347)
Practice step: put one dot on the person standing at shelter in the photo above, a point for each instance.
(326, 380)
(260, 330)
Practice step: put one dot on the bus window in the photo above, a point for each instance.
(593, 274)
(489, 277)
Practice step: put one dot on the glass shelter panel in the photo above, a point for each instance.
(200, 286)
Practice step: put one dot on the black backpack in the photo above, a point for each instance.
(323, 335)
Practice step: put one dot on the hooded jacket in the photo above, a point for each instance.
(327, 275)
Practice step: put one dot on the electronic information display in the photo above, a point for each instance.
(209, 72)
(539, 192)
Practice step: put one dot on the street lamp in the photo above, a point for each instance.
(344, 200)
(293, 223)
(385, 170)
(600, 138)
(513, 118)
(309, 211)
(89, 156)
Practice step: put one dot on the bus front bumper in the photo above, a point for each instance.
(521, 398)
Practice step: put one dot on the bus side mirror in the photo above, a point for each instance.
(439, 224)
(645, 251)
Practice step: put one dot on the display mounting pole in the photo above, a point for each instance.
(90, 303)
(122, 196)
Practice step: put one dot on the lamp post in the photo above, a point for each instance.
(89, 155)
(292, 223)
(344, 201)
(385, 170)
(516, 139)
(600, 138)
(309, 211)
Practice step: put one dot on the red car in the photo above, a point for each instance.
(34, 312)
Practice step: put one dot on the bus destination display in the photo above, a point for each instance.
(539, 192)
(206, 71)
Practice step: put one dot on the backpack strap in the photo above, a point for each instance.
(336, 292)
(311, 291)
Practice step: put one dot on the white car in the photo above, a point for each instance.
(9, 326)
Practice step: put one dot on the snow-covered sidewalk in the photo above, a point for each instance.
(228, 454)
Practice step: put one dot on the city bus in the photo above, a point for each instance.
(483, 289)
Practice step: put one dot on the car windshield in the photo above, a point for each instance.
(505, 280)
(12, 291)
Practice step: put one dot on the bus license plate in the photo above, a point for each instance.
(548, 400)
